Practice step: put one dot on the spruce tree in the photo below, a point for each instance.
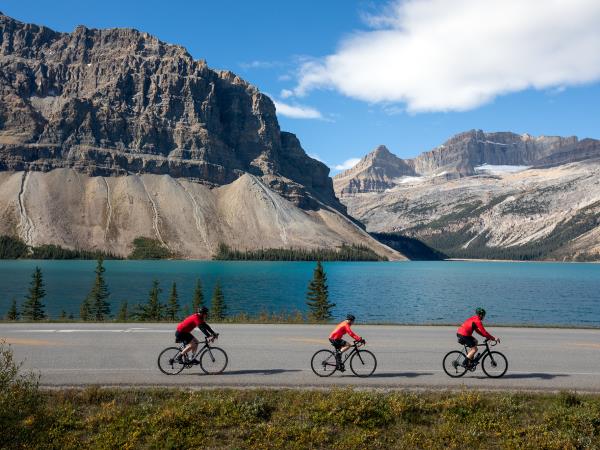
(186, 310)
(13, 312)
(198, 299)
(63, 315)
(317, 297)
(85, 310)
(123, 312)
(173, 304)
(33, 308)
(153, 310)
(218, 308)
(99, 307)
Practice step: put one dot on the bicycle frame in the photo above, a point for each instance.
(199, 349)
(478, 356)
(347, 353)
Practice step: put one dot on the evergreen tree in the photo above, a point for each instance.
(71, 316)
(186, 310)
(218, 308)
(317, 297)
(13, 312)
(63, 315)
(153, 310)
(99, 307)
(85, 310)
(33, 308)
(173, 304)
(123, 313)
(198, 299)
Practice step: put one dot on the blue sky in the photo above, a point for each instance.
(407, 74)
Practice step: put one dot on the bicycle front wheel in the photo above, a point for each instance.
(494, 364)
(453, 364)
(323, 363)
(363, 363)
(213, 360)
(167, 361)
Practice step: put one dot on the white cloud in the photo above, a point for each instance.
(315, 156)
(286, 93)
(439, 55)
(297, 111)
(348, 164)
(256, 64)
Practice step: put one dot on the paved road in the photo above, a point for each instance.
(279, 356)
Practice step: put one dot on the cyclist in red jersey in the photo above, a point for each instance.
(184, 331)
(338, 333)
(465, 333)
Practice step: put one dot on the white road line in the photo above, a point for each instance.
(128, 330)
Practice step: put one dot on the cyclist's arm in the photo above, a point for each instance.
(354, 336)
(206, 329)
(482, 331)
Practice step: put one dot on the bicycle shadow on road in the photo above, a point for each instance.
(400, 374)
(259, 371)
(539, 375)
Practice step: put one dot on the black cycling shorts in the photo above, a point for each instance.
(469, 341)
(182, 336)
(338, 343)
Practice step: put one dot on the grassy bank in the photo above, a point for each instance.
(171, 418)
(161, 418)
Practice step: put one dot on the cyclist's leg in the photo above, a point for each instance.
(340, 346)
(191, 345)
(472, 348)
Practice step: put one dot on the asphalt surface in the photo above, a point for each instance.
(279, 356)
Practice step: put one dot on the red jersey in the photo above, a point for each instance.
(189, 323)
(341, 330)
(474, 324)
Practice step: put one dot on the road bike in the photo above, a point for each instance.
(493, 363)
(212, 360)
(363, 363)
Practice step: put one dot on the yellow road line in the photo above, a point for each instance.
(586, 344)
(33, 342)
(307, 340)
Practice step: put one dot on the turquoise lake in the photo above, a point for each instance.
(401, 292)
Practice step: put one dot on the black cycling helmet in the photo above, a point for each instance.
(480, 312)
(203, 310)
(350, 317)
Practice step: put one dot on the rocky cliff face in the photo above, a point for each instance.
(488, 195)
(119, 101)
(460, 155)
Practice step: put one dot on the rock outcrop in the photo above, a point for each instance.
(119, 101)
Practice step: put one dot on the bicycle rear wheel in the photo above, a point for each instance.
(213, 360)
(323, 363)
(363, 363)
(453, 364)
(167, 362)
(494, 364)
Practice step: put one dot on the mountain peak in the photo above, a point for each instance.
(375, 172)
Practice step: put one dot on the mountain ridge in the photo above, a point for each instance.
(543, 204)
(460, 155)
